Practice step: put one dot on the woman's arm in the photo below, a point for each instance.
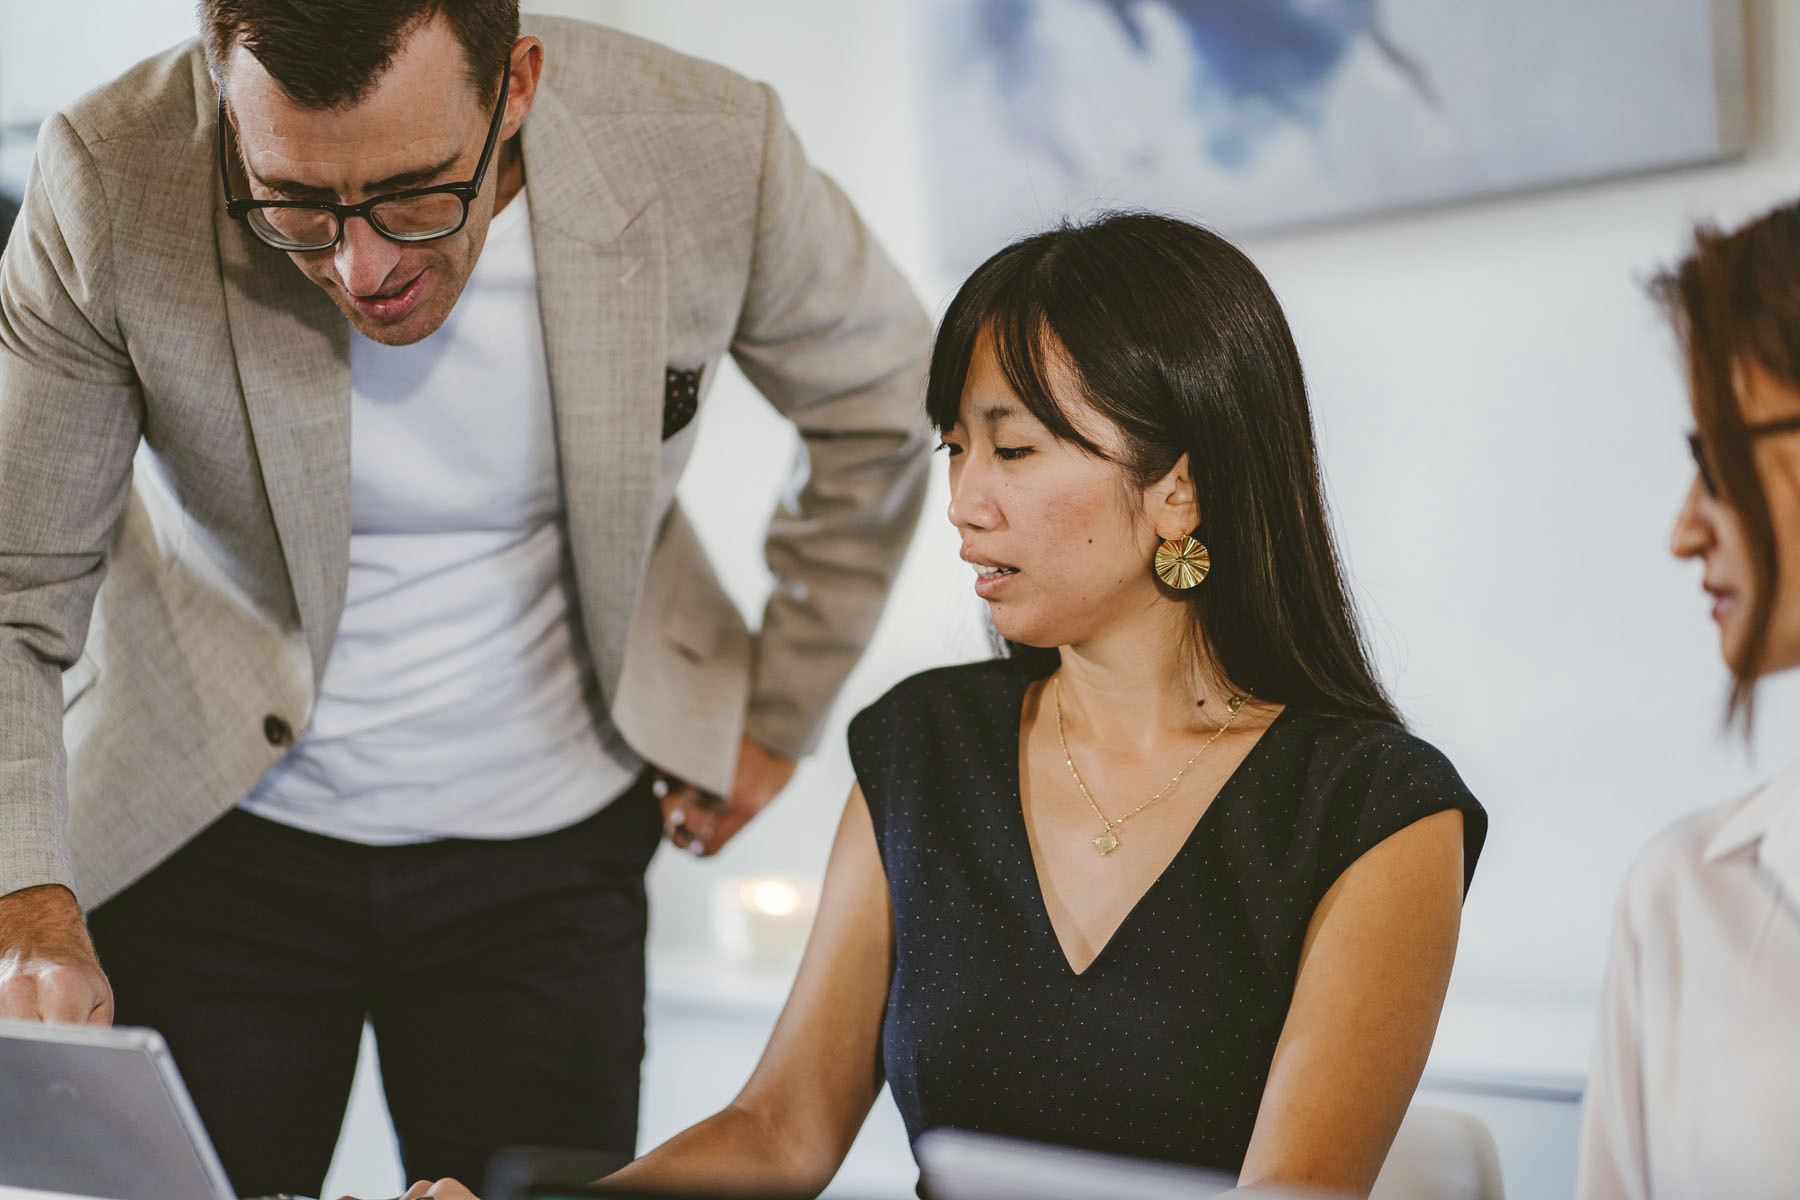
(791, 1125)
(1373, 971)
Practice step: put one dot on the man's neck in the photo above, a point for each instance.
(512, 172)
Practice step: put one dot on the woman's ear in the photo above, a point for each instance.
(1173, 507)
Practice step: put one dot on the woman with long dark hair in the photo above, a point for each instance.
(1694, 1086)
(1170, 879)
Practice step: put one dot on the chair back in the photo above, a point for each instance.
(1441, 1154)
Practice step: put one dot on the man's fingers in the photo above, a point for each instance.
(724, 825)
(682, 806)
(65, 994)
(759, 775)
(19, 998)
(48, 970)
(56, 992)
(701, 824)
(704, 823)
(672, 795)
(102, 1012)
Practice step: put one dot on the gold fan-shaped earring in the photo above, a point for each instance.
(1182, 562)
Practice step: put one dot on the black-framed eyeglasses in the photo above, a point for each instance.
(1703, 464)
(414, 215)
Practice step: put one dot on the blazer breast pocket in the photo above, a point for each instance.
(681, 399)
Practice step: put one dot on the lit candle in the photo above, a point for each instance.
(763, 918)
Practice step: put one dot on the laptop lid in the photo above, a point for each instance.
(100, 1113)
(959, 1165)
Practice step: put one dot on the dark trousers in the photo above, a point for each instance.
(504, 981)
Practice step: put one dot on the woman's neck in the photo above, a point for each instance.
(1139, 686)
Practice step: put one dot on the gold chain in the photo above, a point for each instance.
(1108, 841)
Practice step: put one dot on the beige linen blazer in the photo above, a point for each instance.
(175, 433)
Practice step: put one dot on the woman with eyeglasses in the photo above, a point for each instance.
(1695, 1088)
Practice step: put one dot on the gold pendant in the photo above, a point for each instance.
(1106, 843)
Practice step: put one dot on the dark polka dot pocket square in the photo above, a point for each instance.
(681, 400)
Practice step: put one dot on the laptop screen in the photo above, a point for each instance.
(99, 1113)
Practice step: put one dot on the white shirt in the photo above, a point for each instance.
(1695, 1088)
(459, 699)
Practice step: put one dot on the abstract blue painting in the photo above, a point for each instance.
(1255, 115)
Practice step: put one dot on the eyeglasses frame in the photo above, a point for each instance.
(1697, 447)
(240, 210)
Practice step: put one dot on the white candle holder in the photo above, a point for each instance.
(763, 919)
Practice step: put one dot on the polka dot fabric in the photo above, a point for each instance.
(681, 399)
(1161, 1047)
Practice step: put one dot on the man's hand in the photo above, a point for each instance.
(704, 823)
(48, 968)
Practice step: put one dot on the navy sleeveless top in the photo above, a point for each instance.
(1160, 1049)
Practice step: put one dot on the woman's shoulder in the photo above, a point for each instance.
(946, 690)
(1342, 747)
(1695, 854)
(943, 724)
(960, 712)
(1355, 781)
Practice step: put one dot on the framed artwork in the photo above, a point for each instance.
(1256, 115)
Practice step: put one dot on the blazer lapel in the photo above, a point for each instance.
(601, 275)
(293, 363)
(601, 291)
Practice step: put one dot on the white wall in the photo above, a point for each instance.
(1501, 413)
(51, 53)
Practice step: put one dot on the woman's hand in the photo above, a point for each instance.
(443, 1189)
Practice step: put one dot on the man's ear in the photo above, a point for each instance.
(527, 69)
(1172, 504)
(218, 83)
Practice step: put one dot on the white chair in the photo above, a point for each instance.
(1441, 1154)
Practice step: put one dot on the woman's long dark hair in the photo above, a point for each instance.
(1177, 339)
(1735, 300)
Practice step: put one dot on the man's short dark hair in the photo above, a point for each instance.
(327, 54)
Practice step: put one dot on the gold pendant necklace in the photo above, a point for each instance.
(1108, 841)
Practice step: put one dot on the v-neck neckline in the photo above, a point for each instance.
(1035, 886)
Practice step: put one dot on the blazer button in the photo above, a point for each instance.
(278, 731)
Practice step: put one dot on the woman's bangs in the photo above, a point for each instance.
(1025, 344)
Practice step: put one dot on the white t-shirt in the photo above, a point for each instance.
(1695, 1088)
(459, 699)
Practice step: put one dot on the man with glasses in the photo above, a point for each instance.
(354, 655)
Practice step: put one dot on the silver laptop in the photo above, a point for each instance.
(101, 1114)
(958, 1165)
